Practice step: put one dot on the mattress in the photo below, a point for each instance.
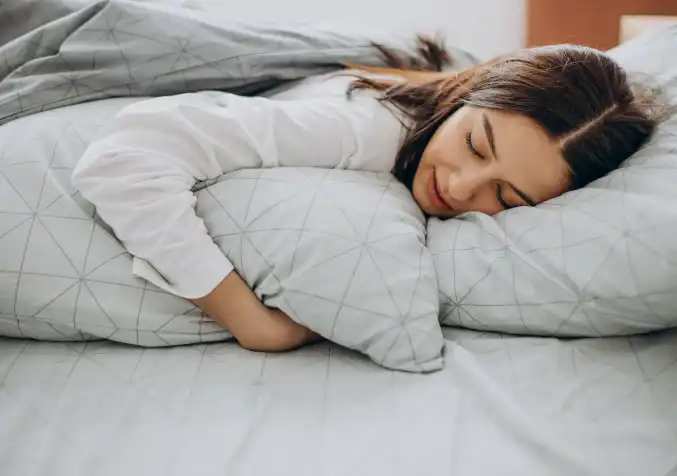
(502, 406)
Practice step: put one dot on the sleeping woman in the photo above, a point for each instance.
(515, 131)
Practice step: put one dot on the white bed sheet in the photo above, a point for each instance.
(502, 406)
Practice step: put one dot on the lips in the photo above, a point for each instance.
(435, 195)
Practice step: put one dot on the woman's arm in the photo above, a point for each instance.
(140, 171)
(256, 327)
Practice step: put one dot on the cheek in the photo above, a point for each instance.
(485, 201)
(443, 149)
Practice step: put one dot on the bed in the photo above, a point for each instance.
(502, 405)
(565, 403)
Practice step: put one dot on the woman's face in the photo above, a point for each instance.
(486, 161)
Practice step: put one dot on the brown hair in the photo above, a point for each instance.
(579, 95)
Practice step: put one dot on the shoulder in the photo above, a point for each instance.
(378, 128)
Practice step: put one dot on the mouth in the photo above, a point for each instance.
(435, 195)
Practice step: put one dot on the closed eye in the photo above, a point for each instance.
(491, 139)
(468, 143)
(499, 189)
(501, 200)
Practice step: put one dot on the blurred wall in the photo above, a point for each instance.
(485, 27)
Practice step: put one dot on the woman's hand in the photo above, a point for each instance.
(256, 327)
(281, 333)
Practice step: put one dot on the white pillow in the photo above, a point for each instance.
(598, 261)
(63, 275)
(342, 252)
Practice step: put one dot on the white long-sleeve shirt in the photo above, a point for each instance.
(141, 169)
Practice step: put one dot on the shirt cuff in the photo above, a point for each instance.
(209, 268)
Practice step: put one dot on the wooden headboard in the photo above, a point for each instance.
(593, 23)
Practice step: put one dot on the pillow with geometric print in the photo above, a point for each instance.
(599, 261)
(342, 252)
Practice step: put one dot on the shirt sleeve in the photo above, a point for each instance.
(140, 171)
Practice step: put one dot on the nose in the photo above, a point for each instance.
(463, 185)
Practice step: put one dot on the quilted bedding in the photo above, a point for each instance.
(64, 275)
(502, 406)
(370, 269)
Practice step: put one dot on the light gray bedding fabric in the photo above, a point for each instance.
(340, 251)
(355, 269)
(595, 262)
(599, 261)
(57, 53)
(502, 406)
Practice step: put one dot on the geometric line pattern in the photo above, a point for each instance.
(531, 396)
(599, 261)
(133, 49)
(64, 276)
(342, 252)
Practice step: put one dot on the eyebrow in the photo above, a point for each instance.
(489, 131)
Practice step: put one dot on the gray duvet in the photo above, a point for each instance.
(53, 54)
(65, 72)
